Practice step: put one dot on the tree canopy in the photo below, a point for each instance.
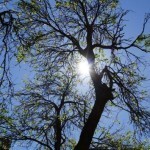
(57, 108)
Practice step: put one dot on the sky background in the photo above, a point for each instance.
(134, 24)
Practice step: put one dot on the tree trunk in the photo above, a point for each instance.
(95, 115)
(58, 134)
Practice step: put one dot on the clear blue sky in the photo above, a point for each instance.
(134, 24)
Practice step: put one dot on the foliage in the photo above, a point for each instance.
(52, 37)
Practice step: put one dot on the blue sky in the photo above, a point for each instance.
(136, 16)
(134, 24)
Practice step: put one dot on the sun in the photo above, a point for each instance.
(83, 67)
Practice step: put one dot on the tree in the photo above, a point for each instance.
(71, 28)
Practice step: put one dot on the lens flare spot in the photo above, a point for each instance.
(84, 68)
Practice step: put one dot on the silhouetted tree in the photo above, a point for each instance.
(94, 30)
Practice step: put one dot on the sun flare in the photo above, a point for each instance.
(84, 68)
